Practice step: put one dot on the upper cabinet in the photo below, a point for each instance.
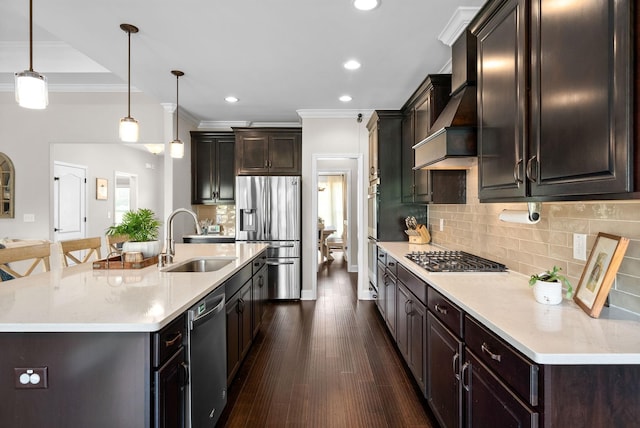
(268, 151)
(555, 95)
(418, 115)
(212, 167)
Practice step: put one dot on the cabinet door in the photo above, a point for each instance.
(417, 342)
(390, 299)
(169, 393)
(245, 312)
(259, 292)
(225, 170)
(443, 387)
(203, 152)
(581, 98)
(502, 95)
(490, 403)
(403, 308)
(285, 154)
(381, 300)
(408, 161)
(252, 157)
(234, 332)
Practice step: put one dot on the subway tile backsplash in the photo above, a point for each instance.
(529, 249)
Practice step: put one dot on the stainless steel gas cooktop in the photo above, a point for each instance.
(454, 261)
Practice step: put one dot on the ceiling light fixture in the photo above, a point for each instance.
(177, 146)
(366, 4)
(231, 99)
(31, 87)
(129, 129)
(345, 98)
(352, 64)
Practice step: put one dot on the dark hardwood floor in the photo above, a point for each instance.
(328, 363)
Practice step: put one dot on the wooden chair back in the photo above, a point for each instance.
(38, 253)
(114, 240)
(92, 246)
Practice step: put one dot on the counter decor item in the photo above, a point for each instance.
(141, 227)
(599, 272)
(418, 235)
(547, 286)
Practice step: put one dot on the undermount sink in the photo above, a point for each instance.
(199, 265)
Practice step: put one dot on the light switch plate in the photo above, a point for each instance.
(579, 246)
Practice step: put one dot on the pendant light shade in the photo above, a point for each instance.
(129, 129)
(31, 87)
(177, 146)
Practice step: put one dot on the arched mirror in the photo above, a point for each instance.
(7, 187)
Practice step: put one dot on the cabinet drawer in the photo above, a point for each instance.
(258, 263)
(234, 283)
(517, 371)
(392, 266)
(168, 340)
(413, 283)
(445, 311)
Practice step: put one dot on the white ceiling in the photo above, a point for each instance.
(276, 56)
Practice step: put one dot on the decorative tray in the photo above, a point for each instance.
(116, 262)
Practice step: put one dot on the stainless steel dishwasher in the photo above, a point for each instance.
(207, 360)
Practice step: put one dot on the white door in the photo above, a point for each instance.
(69, 201)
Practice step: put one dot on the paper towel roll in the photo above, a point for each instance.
(517, 216)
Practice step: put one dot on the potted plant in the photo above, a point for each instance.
(142, 228)
(547, 286)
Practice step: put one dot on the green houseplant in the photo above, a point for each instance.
(547, 286)
(141, 227)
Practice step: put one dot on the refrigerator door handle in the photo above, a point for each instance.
(279, 263)
(281, 246)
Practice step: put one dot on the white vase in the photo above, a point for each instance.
(147, 248)
(548, 293)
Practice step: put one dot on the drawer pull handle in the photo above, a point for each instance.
(170, 343)
(486, 350)
(392, 264)
(440, 309)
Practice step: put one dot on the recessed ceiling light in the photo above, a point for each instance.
(366, 4)
(352, 64)
(231, 99)
(345, 98)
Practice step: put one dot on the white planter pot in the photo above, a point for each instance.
(147, 248)
(548, 293)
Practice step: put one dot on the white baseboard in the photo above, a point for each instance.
(307, 295)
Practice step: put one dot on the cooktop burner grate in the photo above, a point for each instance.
(454, 261)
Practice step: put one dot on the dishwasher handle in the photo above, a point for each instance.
(207, 315)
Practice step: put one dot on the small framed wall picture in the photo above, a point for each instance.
(600, 272)
(102, 184)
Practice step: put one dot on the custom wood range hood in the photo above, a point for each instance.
(452, 142)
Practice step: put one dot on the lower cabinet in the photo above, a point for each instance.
(259, 290)
(381, 300)
(444, 390)
(389, 284)
(411, 323)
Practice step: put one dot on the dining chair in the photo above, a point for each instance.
(114, 243)
(339, 243)
(92, 246)
(39, 253)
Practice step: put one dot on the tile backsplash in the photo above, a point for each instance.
(532, 248)
(224, 215)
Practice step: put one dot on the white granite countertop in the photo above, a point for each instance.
(547, 334)
(83, 299)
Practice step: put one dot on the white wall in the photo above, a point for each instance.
(325, 136)
(26, 135)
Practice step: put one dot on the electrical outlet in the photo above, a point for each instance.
(31, 378)
(579, 246)
(441, 225)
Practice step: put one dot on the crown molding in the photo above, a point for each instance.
(457, 24)
(228, 124)
(334, 113)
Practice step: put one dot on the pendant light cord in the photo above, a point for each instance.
(129, 78)
(30, 35)
(177, 103)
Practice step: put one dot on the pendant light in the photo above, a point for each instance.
(177, 146)
(129, 130)
(31, 87)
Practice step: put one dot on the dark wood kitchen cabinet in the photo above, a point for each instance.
(411, 324)
(259, 290)
(555, 117)
(212, 167)
(268, 151)
(418, 114)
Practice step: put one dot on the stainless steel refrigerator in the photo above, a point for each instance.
(268, 210)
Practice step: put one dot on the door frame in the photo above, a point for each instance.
(363, 283)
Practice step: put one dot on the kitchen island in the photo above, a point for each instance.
(493, 356)
(93, 331)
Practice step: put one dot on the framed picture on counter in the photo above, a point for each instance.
(101, 188)
(600, 272)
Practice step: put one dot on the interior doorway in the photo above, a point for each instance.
(350, 167)
(69, 201)
(333, 215)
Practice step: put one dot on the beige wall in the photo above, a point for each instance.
(528, 249)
